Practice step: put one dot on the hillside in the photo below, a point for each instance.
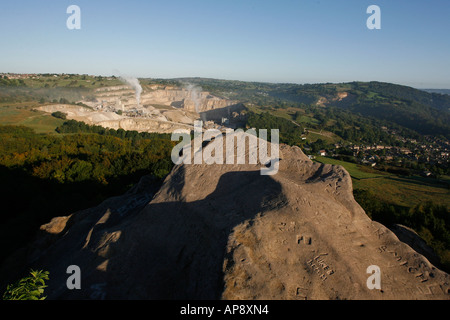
(413, 109)
(441, 91)
(228, 232)
(402, 107)
(425, 113)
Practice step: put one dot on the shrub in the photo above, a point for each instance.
(59, 115)
(28, 288)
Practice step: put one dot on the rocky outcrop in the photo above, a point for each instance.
(338, 97)
(410, 237)
(228, 232)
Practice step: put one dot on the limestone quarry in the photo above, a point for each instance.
(228, 232)
(160, 109)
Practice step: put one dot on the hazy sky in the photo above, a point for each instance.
(301, 41)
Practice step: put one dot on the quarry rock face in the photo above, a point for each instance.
(191, 100)
(179, 108)
(224, 231)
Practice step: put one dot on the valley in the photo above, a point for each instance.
(92, 138)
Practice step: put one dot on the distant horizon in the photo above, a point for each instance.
(270, 41)
(222, 79)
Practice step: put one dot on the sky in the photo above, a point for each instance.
(295, 41)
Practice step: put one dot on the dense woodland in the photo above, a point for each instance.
(52, 175)
(290, 133)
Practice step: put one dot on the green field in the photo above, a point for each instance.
(356, 171)
(326, 136)
(282, 114)
(307, 120)
(40, 121)
(395, 189)
(72, 81)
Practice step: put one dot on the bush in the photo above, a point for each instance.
(28, 288)
(59, 115)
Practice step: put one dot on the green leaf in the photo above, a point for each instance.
(27, 288)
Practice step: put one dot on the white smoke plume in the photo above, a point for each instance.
(195, 94)
(134, 83)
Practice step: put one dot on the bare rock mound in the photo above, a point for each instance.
(228, 232)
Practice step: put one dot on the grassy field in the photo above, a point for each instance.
(73, 81)
(40, 121)
(356, 171)
(326, 136)
(399, 190)
(282, 114)
(307, 120)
